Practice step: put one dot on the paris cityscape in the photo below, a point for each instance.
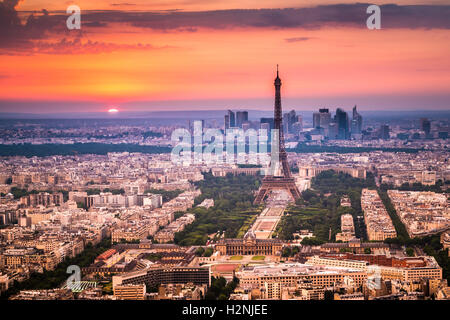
(339, 199)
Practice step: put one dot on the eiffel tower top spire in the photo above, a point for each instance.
(277, 79)
(277, 108)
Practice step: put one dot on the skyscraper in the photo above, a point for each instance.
(269, 121)
(289, 119)
(297, 127)
(356, 122)
(229, 120)
(267, 124)
(384, 132)
(316, 120)
(241, 117)
(425, 126)
(333, 130)
(322, 119)
(341, 119)
(325, 118)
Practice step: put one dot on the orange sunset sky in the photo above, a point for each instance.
(198, 54)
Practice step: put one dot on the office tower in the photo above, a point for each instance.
(229, 120)
(288, 120)
(284, 181)
(354, 127)
(341, 119)
(297, 128)
(268, 121)
(300, 119)
(333, 130)
(241, 117)
(325, 118)
(425, 126)
(384, 132)
(232, 119)
(356, 122)
(192, 125)
(316, 120)
(267, 124)
(322, 119)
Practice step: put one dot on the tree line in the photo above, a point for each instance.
(233, 197)
(319, 208)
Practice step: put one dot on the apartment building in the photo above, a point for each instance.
(289, 275)
(130, 292)
(379, 224)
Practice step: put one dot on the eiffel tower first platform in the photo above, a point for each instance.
(283, 181)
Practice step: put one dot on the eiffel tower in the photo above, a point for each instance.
(282, 180)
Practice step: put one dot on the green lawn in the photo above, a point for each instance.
(258, 257)
(236, 258)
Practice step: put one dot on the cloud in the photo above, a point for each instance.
(297, 39)
(95, 24)
(77, 46)
(351, 15)
(36, 35)
(14, 33)
(123, 4)
(18, 36)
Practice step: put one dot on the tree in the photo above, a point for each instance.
(233, 197)
(328, 295)
(200, 251)
(208, 252)
(286, 252)
(311, 241)
(409, 252)
(220, 289)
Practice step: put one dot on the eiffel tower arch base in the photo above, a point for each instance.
(271, 183)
